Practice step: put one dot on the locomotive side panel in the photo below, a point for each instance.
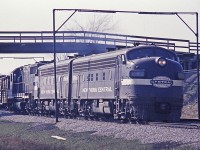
(94, 78)
(46, 85)
(79, 69)
(97, 84)
(46, 80)
(63, 74)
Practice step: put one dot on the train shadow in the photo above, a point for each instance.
(172, 145)
(4, 113)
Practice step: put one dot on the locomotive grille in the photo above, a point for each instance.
(50, 71)
(92, 65)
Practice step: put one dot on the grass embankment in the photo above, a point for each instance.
(35, 136)
(18, 136)
(190, 108)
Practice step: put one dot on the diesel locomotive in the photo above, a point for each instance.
(139, 83)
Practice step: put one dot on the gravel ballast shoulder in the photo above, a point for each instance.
(144, 133)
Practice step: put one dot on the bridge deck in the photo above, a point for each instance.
(82, 42)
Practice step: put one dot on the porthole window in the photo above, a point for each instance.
(88, 78)
(104, 75)
(65, 78)
(11, 77)
(49, 81)
(97, 76)
(83, 77)
(91, 77)
(110, 75)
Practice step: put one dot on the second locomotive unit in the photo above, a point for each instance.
(140, 83)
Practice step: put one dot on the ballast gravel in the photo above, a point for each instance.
(144, 133)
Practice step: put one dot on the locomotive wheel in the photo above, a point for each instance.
(96, 118)
(86, 117)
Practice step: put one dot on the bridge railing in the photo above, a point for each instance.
(93, 37)
(193, 47)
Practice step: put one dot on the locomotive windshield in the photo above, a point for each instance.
(150, 52)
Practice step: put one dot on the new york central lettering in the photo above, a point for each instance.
(99, 89)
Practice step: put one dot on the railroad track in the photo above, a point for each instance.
(184, 123)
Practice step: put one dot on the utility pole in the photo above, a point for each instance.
(197, 38)
(54, 52)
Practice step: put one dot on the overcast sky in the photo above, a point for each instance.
(36, 15)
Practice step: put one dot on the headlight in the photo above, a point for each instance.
(137, 73)
(161, 61)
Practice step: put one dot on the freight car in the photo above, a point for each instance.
(140, 83)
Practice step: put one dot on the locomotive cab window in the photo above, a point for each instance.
(150, 52)
(123, 59)
(9, 83)
(14, 77)
(33, 70)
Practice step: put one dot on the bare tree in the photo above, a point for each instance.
(99, 23)
(95, 23)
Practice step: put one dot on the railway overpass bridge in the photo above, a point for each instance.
(87, 43)
(81, 41)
